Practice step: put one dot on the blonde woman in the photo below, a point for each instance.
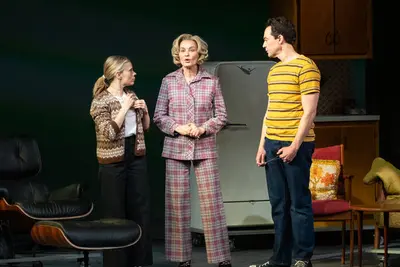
(190, 110)
(120, 121)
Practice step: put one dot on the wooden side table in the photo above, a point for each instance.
(359, 211)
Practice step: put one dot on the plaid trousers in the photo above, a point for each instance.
(178, 247)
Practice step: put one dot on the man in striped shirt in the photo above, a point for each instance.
(287, 144)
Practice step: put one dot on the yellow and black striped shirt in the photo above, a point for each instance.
(287, 82)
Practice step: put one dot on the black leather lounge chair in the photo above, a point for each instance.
(52, 218)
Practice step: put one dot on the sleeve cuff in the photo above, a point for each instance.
(205, 130)
(173, 127)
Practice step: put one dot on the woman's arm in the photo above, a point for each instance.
(161, 116)
(101, 114)
(215, 124)
(146, 120)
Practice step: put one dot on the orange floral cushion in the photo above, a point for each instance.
(324, 177)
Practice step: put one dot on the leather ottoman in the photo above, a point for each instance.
(87, 236)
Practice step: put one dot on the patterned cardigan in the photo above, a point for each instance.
(110, 138)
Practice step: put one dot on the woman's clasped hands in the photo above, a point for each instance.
(191, 130)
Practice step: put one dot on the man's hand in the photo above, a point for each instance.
(287, 153)
(260, 157)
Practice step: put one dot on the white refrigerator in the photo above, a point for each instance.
(244, 188)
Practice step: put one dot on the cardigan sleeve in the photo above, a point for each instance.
(101, 115)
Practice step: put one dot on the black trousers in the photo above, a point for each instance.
(125, 194)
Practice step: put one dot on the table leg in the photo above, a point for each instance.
(385, 238)
(352, 239)
(359, 232)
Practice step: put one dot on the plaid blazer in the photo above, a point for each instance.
(201, 102)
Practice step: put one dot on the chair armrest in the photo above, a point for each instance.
(23, 191)
(380, 193)
(73, 191)
(4, 193)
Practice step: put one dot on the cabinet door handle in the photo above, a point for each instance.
(328, 38)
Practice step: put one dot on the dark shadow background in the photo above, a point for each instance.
(52, 52)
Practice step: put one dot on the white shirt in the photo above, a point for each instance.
(130, 118)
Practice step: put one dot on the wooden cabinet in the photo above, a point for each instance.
(329, 28)
(360, 140)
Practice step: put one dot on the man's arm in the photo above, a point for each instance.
(263, 130)
(309, 81)
(260, 156)
(309, 102)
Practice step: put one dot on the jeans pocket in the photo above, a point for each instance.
(311, 148)
(285, 143)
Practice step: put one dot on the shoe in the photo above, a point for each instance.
(225, 264)
(303, 264)
(266, 264)
(184, 264)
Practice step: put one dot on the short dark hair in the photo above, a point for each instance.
(282, 26)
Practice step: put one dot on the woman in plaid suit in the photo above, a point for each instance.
(190, 110)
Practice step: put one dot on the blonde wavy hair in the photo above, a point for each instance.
(111, 67)
(202, 48)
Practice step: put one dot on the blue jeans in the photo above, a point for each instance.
(290, 198)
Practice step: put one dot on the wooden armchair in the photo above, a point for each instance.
(336, 209)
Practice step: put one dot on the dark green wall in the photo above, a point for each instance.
(51, 53)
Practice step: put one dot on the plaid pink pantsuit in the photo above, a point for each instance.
(201, 103)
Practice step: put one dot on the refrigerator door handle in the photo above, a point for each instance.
(229, 125)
